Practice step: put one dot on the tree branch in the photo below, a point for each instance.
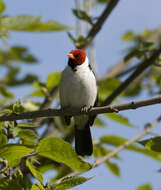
(97, 26)
(119, 67)
(92, 33)
(73, 112)
(116, 150)
(127, 143)
(141, 67)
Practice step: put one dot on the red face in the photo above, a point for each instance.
(78, 56)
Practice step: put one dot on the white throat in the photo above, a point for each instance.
(84, 65)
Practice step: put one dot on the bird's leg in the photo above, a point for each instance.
(86, 109)
(66, 118)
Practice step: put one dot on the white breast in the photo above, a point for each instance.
(78, 89)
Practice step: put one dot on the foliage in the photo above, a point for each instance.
(68, 182)
(27, 153)
(60, 151)
(145, 187)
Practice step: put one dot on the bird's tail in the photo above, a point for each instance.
(83, 141)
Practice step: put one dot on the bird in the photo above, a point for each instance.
(78, 90)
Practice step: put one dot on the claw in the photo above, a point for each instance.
(86, 109)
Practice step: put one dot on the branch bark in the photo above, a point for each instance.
(97, 26)
(127, 143)
(116, 150)
(141, 67)
(73, 112)
(92, 33)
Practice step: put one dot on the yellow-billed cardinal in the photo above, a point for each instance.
(78, 89)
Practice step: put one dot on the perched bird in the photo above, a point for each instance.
(78, 89)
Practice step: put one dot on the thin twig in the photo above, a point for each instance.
(119, 67)
(116, 150)
(97, 26)
(73, 112)
(141, 67)
(92, 33)
(127, 143)
(48, 113)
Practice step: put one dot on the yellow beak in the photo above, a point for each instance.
(71, 56)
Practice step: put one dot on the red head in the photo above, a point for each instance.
(78, 56)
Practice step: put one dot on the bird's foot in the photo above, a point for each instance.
(86, 109)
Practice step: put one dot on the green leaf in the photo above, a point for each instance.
(25, 133)
(37, 187)
(40, 91)
(13, 153)
(153, 144)
(147, 33)
(103, 1)
(18, 174)
(20, 54)
(71, 37)
(61, 151)
(128, 36)
(117, 141)
(31, 24)
(29, 143)
(53, 80)
(8, 184)
(5, 92)
(2, 6)
(4, 111)
(119, 118)
(45, 167)
(34, 171)
(113, 167)
(31, 106)
(2, 123)
(82, 15)
(99, 150)
(147, 46)
(3, 139)
(145, 187)
(109, 85)
(3, 136)
(27, 125)
(81, 40)
(5, 101)
(69, 182)
(37, 93)
(99, 122)
(17, 108)
(133, 52)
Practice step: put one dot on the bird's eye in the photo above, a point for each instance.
(78, 56)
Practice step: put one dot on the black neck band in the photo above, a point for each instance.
(72, 64)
